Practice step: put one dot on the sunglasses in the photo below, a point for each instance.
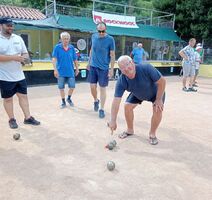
(9, 25)
(103, 31)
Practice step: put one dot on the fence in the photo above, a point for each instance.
(143, 15)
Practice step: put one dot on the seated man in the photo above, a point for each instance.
(145, 83)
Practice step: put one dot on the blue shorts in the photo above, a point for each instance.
(61, 81)
(98, 75)
(134, 100)
(8, 89)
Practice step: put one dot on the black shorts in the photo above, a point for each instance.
(8, 89)
(134, 100)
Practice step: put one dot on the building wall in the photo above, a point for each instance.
(40, 42)
(46, 42)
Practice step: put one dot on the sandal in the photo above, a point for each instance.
(153, 140)
(124, 135)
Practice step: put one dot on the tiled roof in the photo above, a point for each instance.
(20, 13)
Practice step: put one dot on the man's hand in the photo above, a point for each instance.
(158, 104)
(76, 72)
(111, 73)
(88, 67)
(56, 73)
(20, 59)
(112, 125)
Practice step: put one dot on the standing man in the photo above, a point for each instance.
(63, 57)
(13, 52)
(145, 83)
(197, 63)
(102, 54)
(188, 64)
(138, 54)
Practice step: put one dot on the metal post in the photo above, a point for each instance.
(39, 46)
(173, 22)
(46, 8)
(94, 5)
(55, 8)
(151, 17)
(125, 10)
(203, 51)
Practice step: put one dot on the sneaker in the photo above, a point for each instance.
(13, 124)
(195, 85)
(153, 140)
(96, 105)
(192, 89)
(31, 121)
(63, 105)
(70, 102)
(185, 89)
(101, 113)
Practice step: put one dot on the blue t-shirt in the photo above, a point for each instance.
(143, 86)
(65, 60)
(100, 51)
(138, 54)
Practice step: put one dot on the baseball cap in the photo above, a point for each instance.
(198, 47)
(6, 20)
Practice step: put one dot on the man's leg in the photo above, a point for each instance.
(24, 104)
(71, 86)
(70, 91)
(61, 87)
(8, 106)
(62, 93)
(102, 97)
(93, 88)
(195, 78)
(184, 82)
(191, 81)
(129, 116)
(186, 71)
(155, 121)
(69, 100)
(103, 83)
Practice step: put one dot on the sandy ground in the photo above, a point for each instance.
(65, 158)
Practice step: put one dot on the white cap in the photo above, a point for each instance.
(198, 47)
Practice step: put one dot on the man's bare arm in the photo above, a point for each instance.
(7, 58)
(112, 59)
(114, 112)
(183, 55)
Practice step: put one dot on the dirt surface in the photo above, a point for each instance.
(65, 159)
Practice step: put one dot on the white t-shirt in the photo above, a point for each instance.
(197, 60)
(11, 70)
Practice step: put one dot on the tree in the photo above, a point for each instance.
(193, 17)
(40, 4)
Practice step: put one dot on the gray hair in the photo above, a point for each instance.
(140, 45)
(124, 58)
(64, 34)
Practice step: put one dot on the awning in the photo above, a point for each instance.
(44, 24)
(84, 24)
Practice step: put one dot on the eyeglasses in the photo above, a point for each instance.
(103, 31)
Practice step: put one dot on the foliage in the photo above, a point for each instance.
(193, 17)
(40, 4)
